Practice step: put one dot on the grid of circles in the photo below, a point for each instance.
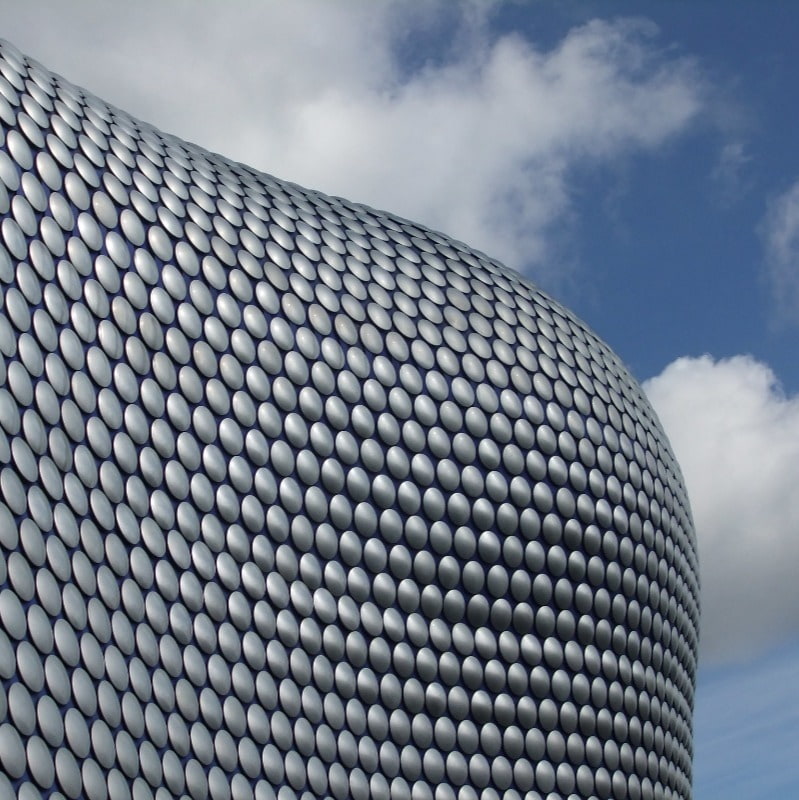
(301, 500)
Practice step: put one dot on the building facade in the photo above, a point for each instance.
(299, 499)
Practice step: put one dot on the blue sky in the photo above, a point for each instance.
(636, 159)
(680, 230)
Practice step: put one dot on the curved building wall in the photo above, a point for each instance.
(302, 500)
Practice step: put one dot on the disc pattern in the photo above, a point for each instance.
(302, 500)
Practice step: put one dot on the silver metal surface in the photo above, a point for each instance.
(299, 499)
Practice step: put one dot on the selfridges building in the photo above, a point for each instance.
(303, 500)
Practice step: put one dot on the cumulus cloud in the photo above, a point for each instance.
(780, 232)
(480, 138)
(736, 436)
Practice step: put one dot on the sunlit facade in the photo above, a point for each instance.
(302, 500)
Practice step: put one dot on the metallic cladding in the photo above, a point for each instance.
(302, 500)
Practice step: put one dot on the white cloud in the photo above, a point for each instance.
(736, 436)
(480, 141)
(730, 173)
(780, 232)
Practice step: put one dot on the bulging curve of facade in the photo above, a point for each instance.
(299, 499)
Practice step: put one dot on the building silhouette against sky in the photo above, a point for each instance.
(299, 499)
